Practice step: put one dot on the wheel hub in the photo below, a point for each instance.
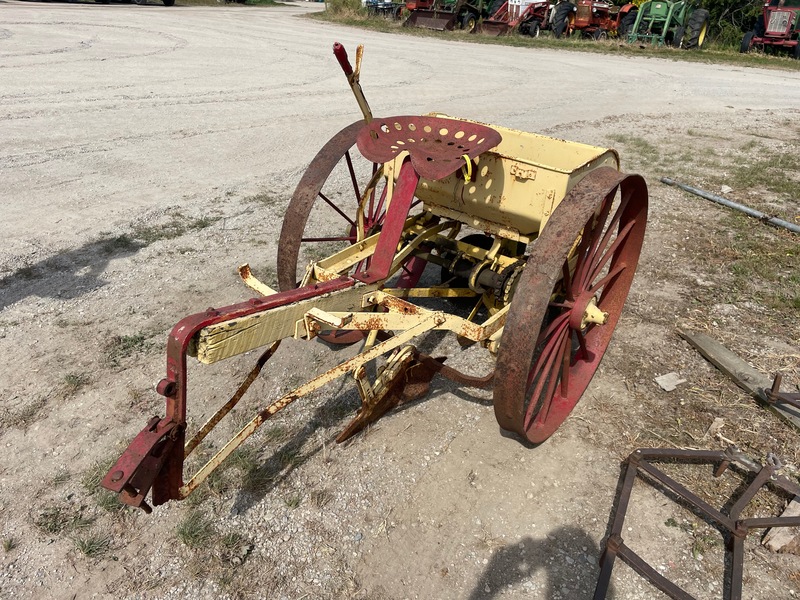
(586, 311)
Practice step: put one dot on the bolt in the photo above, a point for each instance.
(117, 475)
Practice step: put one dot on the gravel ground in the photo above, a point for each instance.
(146, 152)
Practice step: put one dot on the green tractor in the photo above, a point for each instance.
(677, 24)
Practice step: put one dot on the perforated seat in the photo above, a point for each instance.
(437, 146)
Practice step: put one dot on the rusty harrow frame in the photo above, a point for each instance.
(558, 235)
(729, 522)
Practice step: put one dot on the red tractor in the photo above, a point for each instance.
(601, 20)
(777, 27)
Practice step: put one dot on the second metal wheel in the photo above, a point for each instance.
(568, 302)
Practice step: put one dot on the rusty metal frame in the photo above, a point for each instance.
(775, 395)
(730, 524)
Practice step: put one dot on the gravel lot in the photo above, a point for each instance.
(186, 130)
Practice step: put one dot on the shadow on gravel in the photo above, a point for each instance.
(563, 565)
(66, 275)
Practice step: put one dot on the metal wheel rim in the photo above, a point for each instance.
(339, 152)
(522, 357)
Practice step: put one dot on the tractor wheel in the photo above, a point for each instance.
(677, 37)
(626, 24)
(696, 29)
(168, 2)
(561, 18)
(568, 301)
(747, 42)
(534, 28)
(600, 34)
(469, 22)
(321, 218)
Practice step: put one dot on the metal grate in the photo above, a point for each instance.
(779, 22)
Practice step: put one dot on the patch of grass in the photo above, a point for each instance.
(28, 272)
(277, 434)
(60, 519)
(290, 457)
(320, 498)
(109, 502)
(74, 382)
(195, 530)
(293, 501)
(638, 147)
(61, 477)
(177, 226)
(124, 346)
(94, 475)
(773, 170)
(119, 244)
(93, 546)
(9, 544)
(25, 416)
(265, 198)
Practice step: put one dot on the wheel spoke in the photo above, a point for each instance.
(546, 375)
(592, 239)
(609, 232)
(546, 354)
(584, 351)
(610, 250)
(555, 324)
(375, 218)
(567, 280)
(337, 209)
(372, 193)
(611, 275)
(566, 360)
(353, 177)
(550, 393)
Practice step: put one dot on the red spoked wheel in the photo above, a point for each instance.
(322, 216)
(572, 291)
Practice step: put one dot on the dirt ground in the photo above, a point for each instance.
(146, 152)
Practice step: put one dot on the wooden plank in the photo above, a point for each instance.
(785, 539)
(745, 376)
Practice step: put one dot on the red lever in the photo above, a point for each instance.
(341, 55)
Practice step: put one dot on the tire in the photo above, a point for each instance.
(747, 41)
(534, 28)
(469, 22)
(626, 24)
(561, 18)
(677, 37)
(696, 29)
(600, 34)
(168, 2)
(796, 51)
(759, 29)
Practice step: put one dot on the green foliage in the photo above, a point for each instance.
(729, 19)
(343, 6)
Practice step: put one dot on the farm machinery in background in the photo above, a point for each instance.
(778, 26)
(661, 23)
(541, 236)
(446, 15)
(588, 18)
(526, 16)
(602, 20)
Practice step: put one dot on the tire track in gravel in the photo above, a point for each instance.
(177, 43)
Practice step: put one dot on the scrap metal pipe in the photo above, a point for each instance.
(735, 205)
